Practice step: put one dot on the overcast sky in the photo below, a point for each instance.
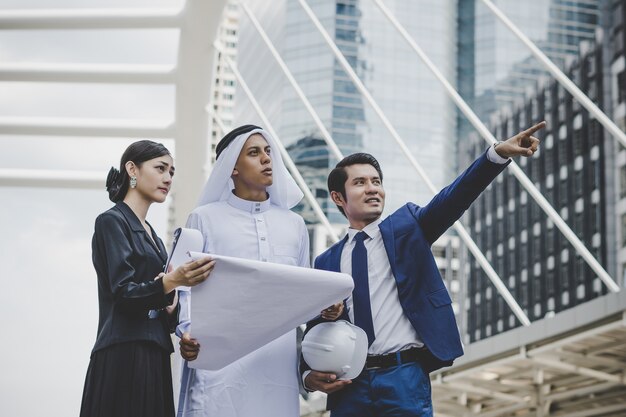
(49, 309)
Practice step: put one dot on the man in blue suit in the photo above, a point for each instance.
(399, 297)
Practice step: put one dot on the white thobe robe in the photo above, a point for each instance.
(263, 383)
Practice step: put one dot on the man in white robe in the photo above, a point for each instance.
(245, 212)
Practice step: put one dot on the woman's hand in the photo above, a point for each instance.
(171, 309)
(333, 312)
(190, 274)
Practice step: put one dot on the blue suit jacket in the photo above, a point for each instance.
(408, 234)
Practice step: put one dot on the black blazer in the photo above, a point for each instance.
(126, 262)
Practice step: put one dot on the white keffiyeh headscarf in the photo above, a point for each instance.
(284, 192)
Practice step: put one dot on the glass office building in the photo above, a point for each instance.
(463, 39)
(576, 170)
(539, 266)
(617, 83)
(407, 92)
(409, 95)
(496, 75)
(495, 68)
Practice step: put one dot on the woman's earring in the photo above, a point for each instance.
(133, 182)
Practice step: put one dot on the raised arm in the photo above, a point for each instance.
(451, 202)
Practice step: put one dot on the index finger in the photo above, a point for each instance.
(535, 128)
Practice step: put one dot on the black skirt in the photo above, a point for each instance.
(131, 379)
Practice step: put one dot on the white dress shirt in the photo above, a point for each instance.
(392, 328)
(263, 383)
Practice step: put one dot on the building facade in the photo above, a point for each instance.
(402, 86)
(615, 61)
(495, 68)
(225, 85)
(492, 70)
(417, 107)
(574, 170)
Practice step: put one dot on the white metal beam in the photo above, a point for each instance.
(88, 73)
(467, 239)
(566, 231)
(52, 178)
(571, 382)
(199, 22)
(486, 392)
(528, 355)
(453, 410)
(85, 127)
(305, 101)
(603, 347)
(64, 19)
(588, 360)
(589, 412)
(503, 411)
(444, 376)
(504, 382)
(577, 337)
(578, 392)
(564, 366)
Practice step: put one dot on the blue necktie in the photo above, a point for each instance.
(361, 292)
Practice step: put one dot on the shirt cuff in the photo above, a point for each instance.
(304, 375)
(493, 156)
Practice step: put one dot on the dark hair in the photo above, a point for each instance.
(231, 136)
(137, 152)
(338, 176)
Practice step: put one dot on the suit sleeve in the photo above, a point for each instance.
(112, 238)
(451, 202)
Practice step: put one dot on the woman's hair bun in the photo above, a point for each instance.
(113, 184)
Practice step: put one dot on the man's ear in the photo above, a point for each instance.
(337, 198)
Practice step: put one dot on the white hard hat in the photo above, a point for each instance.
(338, 347)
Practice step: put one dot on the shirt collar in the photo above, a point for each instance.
(253, 207)
(371, 230)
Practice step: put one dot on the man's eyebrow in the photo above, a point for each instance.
(375, 177)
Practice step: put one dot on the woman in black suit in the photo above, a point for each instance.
(129, 372)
